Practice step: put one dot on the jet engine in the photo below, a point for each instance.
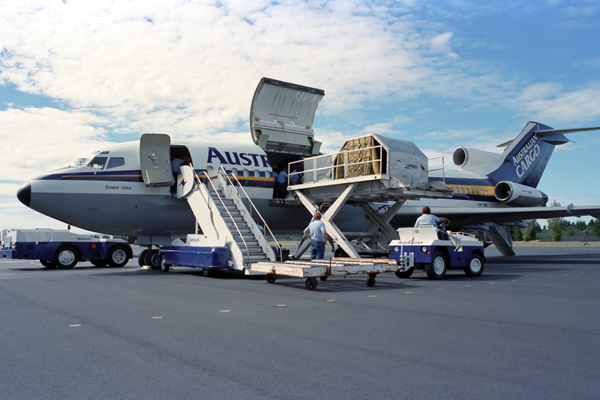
(519, 195)
(478, 161)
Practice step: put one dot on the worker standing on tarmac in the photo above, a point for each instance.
(318, 237)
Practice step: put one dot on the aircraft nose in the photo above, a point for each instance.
(24, 194)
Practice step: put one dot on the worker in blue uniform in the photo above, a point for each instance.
(318, 237)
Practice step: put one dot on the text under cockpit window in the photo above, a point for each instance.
(98, 162)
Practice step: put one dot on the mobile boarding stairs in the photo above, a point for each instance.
(224, 219)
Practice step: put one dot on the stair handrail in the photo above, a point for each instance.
(228, 213)
(254, 207)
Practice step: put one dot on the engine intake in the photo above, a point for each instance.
(479, 161)
(518, 195)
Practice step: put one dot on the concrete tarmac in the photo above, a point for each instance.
(528, 328)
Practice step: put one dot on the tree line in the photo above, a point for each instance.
(556, 229)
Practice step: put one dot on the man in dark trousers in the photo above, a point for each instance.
(318, 237)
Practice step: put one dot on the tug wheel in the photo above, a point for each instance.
(271, 278)
(311, 283)
(118, 256)
(437, 268)
(66, 257)
(475, 267)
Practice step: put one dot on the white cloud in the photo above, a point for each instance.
(152, 65)
(546, 101)
(37, 140)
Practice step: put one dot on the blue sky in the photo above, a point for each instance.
(75, 76)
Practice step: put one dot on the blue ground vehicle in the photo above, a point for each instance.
(208, 258)
(436, 251)
(63, 249)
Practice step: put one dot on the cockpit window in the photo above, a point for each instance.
(98, 162)
(81, 161)
(115, 162)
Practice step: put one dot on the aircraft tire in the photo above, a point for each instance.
(118, 256)
(48, 264)
(475, 267)
(405, 274)
(142, 258)
(438, 267)
(66, 257)
(153, 260)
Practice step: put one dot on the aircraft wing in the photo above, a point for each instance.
(475, 216)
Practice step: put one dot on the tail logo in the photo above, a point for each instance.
(526, 156)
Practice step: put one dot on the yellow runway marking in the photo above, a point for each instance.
(567, 274)
(331, 301)
(467, 285)
(492, 283)
(532, 279)
(156, 317)
(372, 296)
(225, 311)
(550, 276)
(281, 305)
(75, 326)
(514, 280)
(408, 292)
(439, 289)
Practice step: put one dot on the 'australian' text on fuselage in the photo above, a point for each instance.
(234, 158)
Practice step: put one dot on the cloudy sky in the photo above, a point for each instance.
(76, 75)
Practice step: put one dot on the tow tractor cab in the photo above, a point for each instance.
(436, 251)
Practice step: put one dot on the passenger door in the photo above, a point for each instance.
(155, 159)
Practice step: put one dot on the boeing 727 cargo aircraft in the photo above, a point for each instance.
(125, 189)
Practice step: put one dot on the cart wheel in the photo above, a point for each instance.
(371, 280)
(271, 278)
(311, 283)
(323, 278)
(164, 265)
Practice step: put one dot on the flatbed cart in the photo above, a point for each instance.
(311, 270)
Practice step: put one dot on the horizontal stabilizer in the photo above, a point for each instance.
(553, 132)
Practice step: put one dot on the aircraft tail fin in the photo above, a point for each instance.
(525, 157)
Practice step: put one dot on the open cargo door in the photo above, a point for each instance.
(155, 159)
(282, 116)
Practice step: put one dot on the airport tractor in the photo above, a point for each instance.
(63, 249)
(436, 251)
